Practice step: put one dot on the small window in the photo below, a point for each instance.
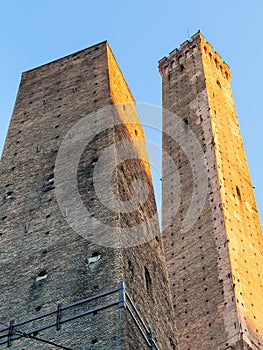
(238, 191)
(148, 279)
(218, 83)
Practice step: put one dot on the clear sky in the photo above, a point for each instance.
(140, 33)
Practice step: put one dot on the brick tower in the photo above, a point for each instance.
(60, 289)
(215, 263)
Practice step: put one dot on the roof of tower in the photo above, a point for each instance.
(104, 42)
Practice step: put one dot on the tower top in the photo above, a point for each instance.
(181, 54)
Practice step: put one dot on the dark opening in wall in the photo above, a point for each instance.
(94, 340)
(148, 279)
(41, 276)
(26, 227)
(238, 191)
(173, 347)
(51, 178)
(181, 67)
(94, 161)
(42, 273)
(185, 121)
(9, 194)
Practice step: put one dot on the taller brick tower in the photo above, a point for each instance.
(215, 264)
(60, 288)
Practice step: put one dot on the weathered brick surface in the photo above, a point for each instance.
(215, 269)
(36, 240)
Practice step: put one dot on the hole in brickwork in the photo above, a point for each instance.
(148, 279)
(173, 347)
(4, 217)
(94, 161)
(94, 341)
(26, 228)
(130, 266)
(42, 273)
(9, 194)
(238, 192)
(38, 308)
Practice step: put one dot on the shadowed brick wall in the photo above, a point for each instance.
(43, 260)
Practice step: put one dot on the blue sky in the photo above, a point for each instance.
(140, 33)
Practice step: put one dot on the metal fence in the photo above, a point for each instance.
(121, 299)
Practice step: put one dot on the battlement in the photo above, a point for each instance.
(197, 43)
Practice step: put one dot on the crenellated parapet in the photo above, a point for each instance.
(187, 49)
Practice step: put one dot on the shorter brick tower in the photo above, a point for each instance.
(215, 265)
(45, 264)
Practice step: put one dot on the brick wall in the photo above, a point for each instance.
(45, 261)
(201, 260)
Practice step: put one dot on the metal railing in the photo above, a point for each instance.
(12, 333)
